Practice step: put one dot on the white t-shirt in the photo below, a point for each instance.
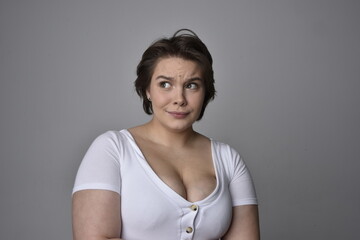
(150, 209)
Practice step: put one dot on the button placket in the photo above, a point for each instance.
(188, 221)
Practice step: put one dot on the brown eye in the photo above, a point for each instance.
(192, 86)
(165, 84)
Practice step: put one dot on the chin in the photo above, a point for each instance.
(176, 125)
(180, 127)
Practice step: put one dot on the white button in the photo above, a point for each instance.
(194, 207)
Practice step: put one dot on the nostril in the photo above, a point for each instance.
(181, 103)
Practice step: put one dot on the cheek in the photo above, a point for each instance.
(197, 102)
(159, 99)
(200, 98)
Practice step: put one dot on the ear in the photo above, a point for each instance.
(148, 94)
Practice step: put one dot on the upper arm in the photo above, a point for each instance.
(244, 224)
(96, 215)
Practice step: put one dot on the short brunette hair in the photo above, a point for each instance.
(183, 44)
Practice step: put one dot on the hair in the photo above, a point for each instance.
(184, 44)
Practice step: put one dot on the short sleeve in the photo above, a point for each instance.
(241, 185)
(100, 167)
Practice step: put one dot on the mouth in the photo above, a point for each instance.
(178, 115)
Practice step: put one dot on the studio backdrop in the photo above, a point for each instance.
(287, 77)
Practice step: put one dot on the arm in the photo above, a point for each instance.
(96, 215)
(244, 224)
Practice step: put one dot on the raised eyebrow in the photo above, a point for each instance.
(164, 77)
(194, 79)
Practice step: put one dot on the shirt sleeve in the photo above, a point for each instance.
(241, 185)
(100, 168)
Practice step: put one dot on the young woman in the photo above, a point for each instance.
(163, 180)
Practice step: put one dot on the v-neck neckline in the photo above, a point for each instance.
(166, 188)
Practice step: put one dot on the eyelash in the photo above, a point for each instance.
(163, 84)
(191, 85)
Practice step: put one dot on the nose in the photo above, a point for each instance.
(179, 98)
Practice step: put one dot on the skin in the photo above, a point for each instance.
(177, 93)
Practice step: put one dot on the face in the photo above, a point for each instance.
(177, 93)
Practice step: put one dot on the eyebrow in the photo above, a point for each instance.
(171, 78)
(195, 79)
(164, 77)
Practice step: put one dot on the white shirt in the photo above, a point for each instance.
(150, 209)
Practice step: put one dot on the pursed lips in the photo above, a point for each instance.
(178, 114)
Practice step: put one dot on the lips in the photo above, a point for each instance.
(178, 115)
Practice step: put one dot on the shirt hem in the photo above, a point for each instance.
(93, 186)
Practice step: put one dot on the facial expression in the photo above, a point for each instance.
(177, 93)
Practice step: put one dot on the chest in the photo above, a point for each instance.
(149, 203)
(190, 173)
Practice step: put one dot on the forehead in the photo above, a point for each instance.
(175, 66)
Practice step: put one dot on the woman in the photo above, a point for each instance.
(163, 180)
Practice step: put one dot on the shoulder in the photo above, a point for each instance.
(114, 136)
(224, 149)
(111, 140)
(228, 157)
(111, 135)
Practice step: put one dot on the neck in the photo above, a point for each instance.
(166, 137)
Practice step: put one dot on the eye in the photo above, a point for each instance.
(192, 86)
(165, 84)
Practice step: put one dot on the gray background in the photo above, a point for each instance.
(288, 80)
